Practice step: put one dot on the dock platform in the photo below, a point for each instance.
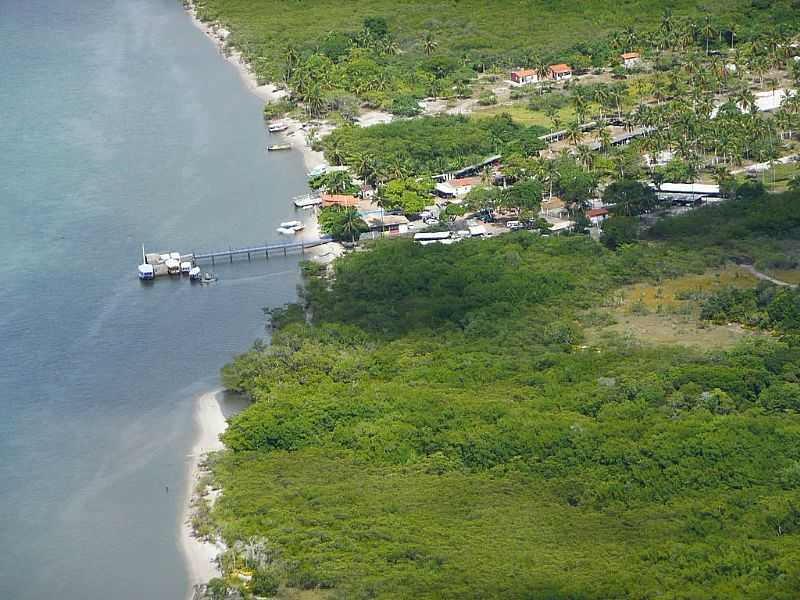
(256, 251)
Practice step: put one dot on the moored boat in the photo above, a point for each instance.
(186, 267)
(290, 227)
(173, 266)
(275, 147)
(278, 127)
(194, 274)
(146, 272)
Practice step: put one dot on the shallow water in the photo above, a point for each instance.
(120, 124)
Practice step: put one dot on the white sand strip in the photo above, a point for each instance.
(200, 555)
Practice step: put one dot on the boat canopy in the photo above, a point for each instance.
(146, 269)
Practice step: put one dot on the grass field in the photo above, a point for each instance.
(521, 114)
(668, 312)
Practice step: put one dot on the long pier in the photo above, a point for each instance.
(257, 251)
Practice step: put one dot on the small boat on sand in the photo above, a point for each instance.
(278, 127)
(275, 147)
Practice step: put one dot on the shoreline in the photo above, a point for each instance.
(200, 555)
(295, 135)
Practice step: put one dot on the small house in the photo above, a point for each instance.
(391, 224)
(560, 72)
(524, 76)
(552, 208)
(630, 59)
(597, 215)
(457, 187)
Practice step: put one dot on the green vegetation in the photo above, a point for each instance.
(409, 196)
(343, 224)
(427, 145)
(444, 429)
(378, 50)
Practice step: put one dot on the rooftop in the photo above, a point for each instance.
(629, 55)
(561, 68)
(596, 212)
(338, 200)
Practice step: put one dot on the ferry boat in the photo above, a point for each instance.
(194, 274)
(186, 267)
(146, 272)
(275, 147)
(278, 127)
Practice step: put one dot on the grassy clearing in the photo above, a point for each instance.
(524, 116)
(667, 312)
(679, 295)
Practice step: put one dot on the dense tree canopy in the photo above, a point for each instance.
(445, 428)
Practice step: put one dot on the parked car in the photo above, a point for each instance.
(514, 225)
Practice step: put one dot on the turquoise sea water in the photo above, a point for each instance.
(120, 124)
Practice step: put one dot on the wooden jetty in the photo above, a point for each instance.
(257, 251)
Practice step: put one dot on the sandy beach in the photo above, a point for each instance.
(209, 424)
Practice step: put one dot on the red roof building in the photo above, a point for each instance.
(561, 71)
(338, 200)
(523, 76)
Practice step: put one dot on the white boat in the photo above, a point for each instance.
(194, 274)
(175, 256)
(290, 227)
(317, 171)
(146, 272)
(278, 127)
(186, 267)
(173, 266)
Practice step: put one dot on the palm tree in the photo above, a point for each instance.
(733, 29)
(605, 139)
(585, 156)
(574, 133)
(542, 69)
(581, 104)
(364, 167)
(314, 101)
(429, 44)
(390, 47)
(708, 31)
(602, 97)
(629, 37)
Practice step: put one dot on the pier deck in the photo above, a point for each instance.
(256, 251)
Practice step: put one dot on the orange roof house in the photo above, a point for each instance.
(339, 200)
(561, 71)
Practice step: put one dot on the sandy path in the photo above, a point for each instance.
(763, 276)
